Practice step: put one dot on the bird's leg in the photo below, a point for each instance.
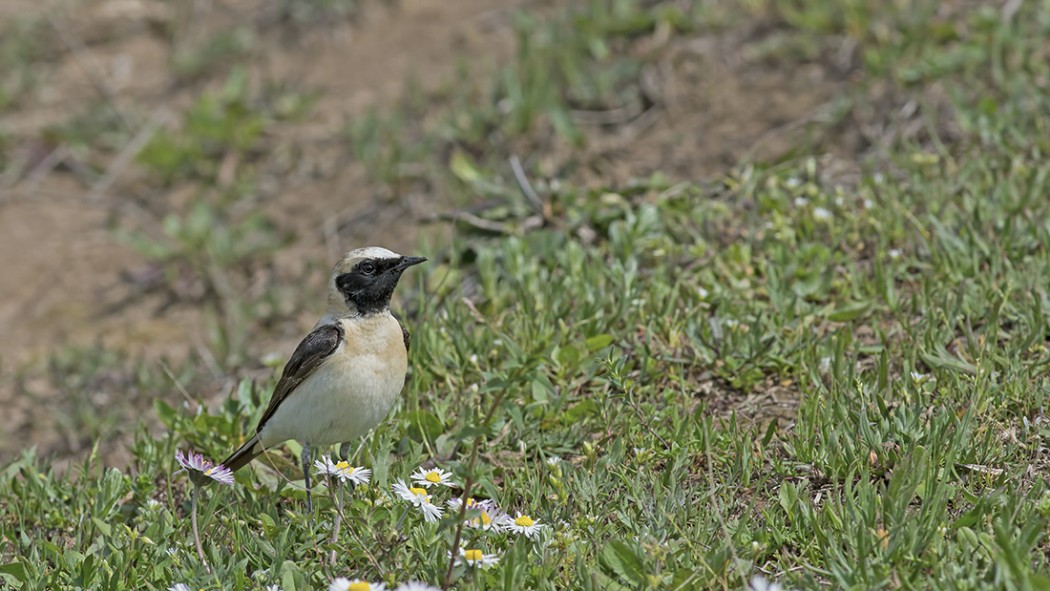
(306, 456)
(344, 451)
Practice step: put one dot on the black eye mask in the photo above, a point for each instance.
(369, 285)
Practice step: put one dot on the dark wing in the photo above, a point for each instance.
(404, 333)
(308, 356)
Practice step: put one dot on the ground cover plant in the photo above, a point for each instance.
(828, 369)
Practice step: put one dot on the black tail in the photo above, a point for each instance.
(244, 454)
(237, 460)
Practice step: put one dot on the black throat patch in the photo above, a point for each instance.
(369, 285)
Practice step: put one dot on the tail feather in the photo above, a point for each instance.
(237, 460)
(244, 454)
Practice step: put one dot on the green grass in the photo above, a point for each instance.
(836, 382)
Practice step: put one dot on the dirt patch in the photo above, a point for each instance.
(70, 263)
(719, 99)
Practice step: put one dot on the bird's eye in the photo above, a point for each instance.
(367, 268)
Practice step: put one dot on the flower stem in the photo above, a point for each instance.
(338, 520)
(194, 502)
(468, 484)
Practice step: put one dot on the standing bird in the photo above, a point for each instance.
(344, 377)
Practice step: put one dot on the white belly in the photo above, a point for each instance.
(348, 395)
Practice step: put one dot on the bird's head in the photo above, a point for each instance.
(365, 279)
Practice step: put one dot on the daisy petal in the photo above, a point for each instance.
(432, 477)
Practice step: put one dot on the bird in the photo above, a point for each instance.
(346, 374)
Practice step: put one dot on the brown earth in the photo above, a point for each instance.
(66, 274)
(68, 262)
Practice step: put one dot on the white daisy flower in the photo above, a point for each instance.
(553, 461)
(801, 202)
(357, 474)
(416, 586)
(488, 515)
(343, 471)
(327, 467)
(179, 587)
(895, 253)
(195, 462)
(759, 583)
(476, 558)
(344, 584)
(821, 214)
(419, 498)
(152, 503)
(405, 492)
(522, 524)
(918, 376)
(273, 588)
(432, 477)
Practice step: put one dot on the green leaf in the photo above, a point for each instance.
(424, 424)
(16, 569)
(268, 524)
(469, 432)
(103, 527)
(598, 342)
(848, 311)
(463, 168)
(289, 570)
(1040, 582)
(942, 359)
(567, 355)
(540, 392)
(624, 561)
(581, 410)
(770, 431)
(165, 412)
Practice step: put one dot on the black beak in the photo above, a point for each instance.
(407, 262)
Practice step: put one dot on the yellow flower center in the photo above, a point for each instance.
(482, 521)
(344, 465)
(418, 491)
(472, 555)
(209, 471)
(359, 586)
(523, 521)
(433, 477)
